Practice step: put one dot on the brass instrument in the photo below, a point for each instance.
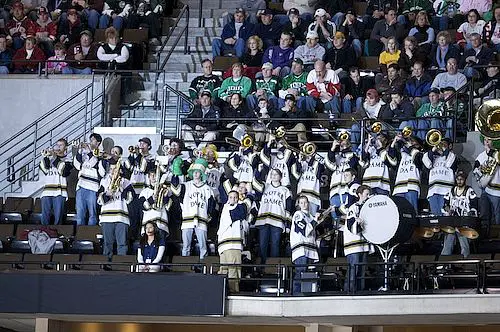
(116, 178)
(376, 127)
(134, 149)
(246, 141)
(434, 137)
(280, 132)
(407, 132)
(345, 136)
(159, 189)
(324, 214)
(308, 149)
(46, 153)
(488, 119)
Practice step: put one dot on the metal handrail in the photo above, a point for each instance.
(181, 98)
(185, 30)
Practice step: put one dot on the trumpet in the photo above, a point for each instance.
(280, 132)
(308, 149)
(134, 149)
(100, 154)
(345, 136)
(246, 141)
(434, 138)
(407, 132)
(376, 127)
(47, 152)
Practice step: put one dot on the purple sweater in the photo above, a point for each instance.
(278, 57)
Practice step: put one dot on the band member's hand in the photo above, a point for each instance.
(317, 215)
(360, 222)
(260, 167)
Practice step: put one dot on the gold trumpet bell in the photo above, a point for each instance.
(280, 132)
(345, 136)
(407, 132)
(488, 119)
(376, 127)
(469, 233)
(247, 141)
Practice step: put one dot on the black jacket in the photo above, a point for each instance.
(350, 88)
(484, 56)
(209, 121)
(280, 114)
(341, 57)
(300, 31)
(356, 30)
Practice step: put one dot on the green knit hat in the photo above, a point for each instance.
(200, 164)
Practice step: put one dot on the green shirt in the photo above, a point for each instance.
(295, 82)
(230, 86)
(428, 110)
(270, 86)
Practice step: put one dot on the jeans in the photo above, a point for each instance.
(332, 106)
(118, 22)
(86, 200)
(440, 23)
(358, 47)
(495, 207)
(92, 16)
(449, 243)
(17, 43)
(218, 46)
(338, 19)
(76, 71)
(4, 70)
(347, 104)
(436, 203)
(265, 232)
(297, 284)
(355, 273)
(412, 197)
(114, 231)
(423, 126)
(54, 205)
(187, 238)
(355, 135)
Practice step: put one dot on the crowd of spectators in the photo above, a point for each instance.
(314, 55)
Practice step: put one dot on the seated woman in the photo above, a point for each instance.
(26, 59)
(390, 55)
(474, 24)
(113, 54)
(151, 249)
(423, 31)
(444, 50)
(252, 58)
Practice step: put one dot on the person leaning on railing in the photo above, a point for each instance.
(432, 112)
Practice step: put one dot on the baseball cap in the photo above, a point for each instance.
(267, 65)
(206, 93)
(146, 140)
(351, 11)
(240, 10)
(312, 34)
(320, 12)
(299, 61)
(267, 11)
(86, 32)
(435, 90)
(290, 97)
(339, 35)
(294, 11)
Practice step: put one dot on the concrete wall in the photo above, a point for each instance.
(26, 98)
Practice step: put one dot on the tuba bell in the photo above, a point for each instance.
(488, 119)
(434, 137)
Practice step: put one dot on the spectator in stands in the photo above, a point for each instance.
(18, 27)
(310, 52)
(115, 193)
(382, 30)
(392, 82)
(280, 56)
(55, 167)
(334, 8)
(297, 26)
(295, 84)
(85, 50)
(399, 111)
(444, 11)
(5, 11)
(151, 249)
(206, 82)
(451, 77)
(113, 54)
(234, 35)
(323, 27)
(478, 54)
(69, 31)
(473, 25)
(237, 110)
(252, 59)
(60, 56)
(371, 109)
(354, 30)
(266, 86)
(418, 86)
(480, 6)
(114, 14)
(375, 12)
(417, 5)
(490, 87)
(323, 87)
(268, 30)
(431, 111)
(355, 88)
(454, 108)
(92, 10)
(235, 84)
(45, 31)
(443, 51)
(423, 31)
(201, 123)
(148, 15)
(341, 56)
(251, 8)
(5, 56)
(390, 55)
(411, 54)
(491, 31)
(28, 58)
(291, 112)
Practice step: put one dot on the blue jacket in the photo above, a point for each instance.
(418, 88)
(268, 32)
(6, 58)
(484, 56)
(230, 31)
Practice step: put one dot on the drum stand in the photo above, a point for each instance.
(386, 253)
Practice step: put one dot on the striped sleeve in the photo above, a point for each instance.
(45, 165)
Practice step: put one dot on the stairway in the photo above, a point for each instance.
(180, 69)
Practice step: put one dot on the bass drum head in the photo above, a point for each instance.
(407, 220)
(381, 219)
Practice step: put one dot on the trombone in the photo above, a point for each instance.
(246, 141)
(434, 138)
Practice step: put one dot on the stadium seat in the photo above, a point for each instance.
(271, 263)
(37, 262)
(68, 261)
(137, 36)
(20, 242)
(99, 35)
(125, 263)
(210, 261)
(36, 215)
(85, 240)
(184, 263)
(369, 63)
(93, 262)
(9, 261)
(223, 63)
(17, 209)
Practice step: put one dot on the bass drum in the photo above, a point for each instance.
(387, 220)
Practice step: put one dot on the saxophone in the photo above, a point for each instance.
(115, 177)
(159, 189)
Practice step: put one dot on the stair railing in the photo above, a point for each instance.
(160, 65)
(184, 105)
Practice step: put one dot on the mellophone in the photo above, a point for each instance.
(467, 225)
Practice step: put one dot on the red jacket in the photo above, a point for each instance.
(15, 28)
(21, 54)
(332, 83)
(49, 28)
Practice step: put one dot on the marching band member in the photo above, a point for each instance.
(441, 162)
(349, 197)
(197, 206)
(274, 212)
(89, 177)
(283, 160)
(138, 163)
(486, 166)
(307, 171)
(356, 248)
(55, 167)
(176, 164)
(155, 203)
(229, 241)
(338, 160)
(376, 161)
(407, 182)
(214, 169)
(460, 201)
(303, 240)
(243, 163)
(114, 194)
